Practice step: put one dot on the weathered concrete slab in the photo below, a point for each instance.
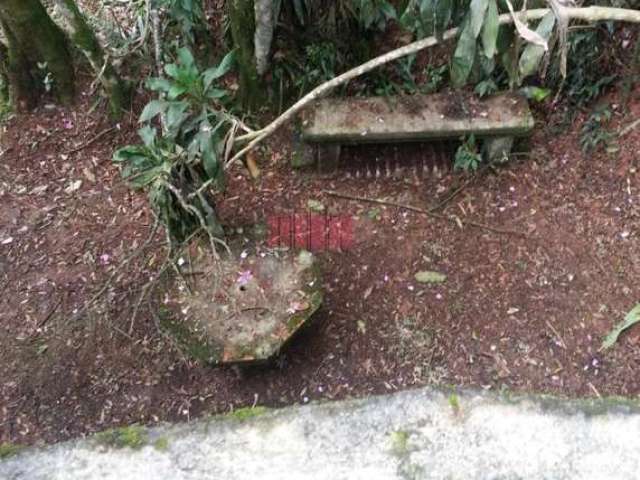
(419, 434)
(416, 117)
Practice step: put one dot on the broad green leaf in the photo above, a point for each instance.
(477, 13)
(186, 58)
(427, 17)
(210, 163)
(299, 9)
(142, 179)
(490, 30)
(463, 57)
(172, 70)
(388, 10)
(175, 91)
(536, 94)
(158, 84)
(126, 154)
(176, 115)
(532, 54)
(148, 135)
(222, 69)
(430, 277)
(408, 16)
(444, 11)
(153, 108)
(632, 318)
(465, 53)
(216, 94)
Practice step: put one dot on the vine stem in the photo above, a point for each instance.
(586, 14)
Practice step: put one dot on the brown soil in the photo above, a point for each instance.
(522, 313)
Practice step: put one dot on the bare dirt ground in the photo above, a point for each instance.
(521, 313)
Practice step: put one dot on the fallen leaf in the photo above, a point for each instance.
(630, 320)
(89, 174)
(430, 277)
(73, 186)
(39, 190)
(362, 326)
(367, 292)
(315, 206)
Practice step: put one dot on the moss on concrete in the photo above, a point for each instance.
(246, 413)
(161, 444)
(9, 450)
(133, 436)
(399, 443)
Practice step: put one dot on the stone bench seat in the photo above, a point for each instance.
(414, 118)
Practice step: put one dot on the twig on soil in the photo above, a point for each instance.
(147, 287)
(49, 315)
(117, 270)
(459, 190)
(555, 332)
(629, 127)
(92, 140)
(595, 390)
(426, 212)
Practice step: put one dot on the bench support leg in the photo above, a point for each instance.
(329, 157)
(497, 149)
(304, 155)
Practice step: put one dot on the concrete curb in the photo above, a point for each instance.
(419, 434)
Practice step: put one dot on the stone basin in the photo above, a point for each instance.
(241, 310)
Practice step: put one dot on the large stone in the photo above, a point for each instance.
(241, 310)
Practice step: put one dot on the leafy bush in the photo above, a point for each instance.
(178, 164)
(188, 15)
(373, 13)
(320, 66)
(432, 17)
(587, 66)
(368, 14)
(593, 134)
(467, 156)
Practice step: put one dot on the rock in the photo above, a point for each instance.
(242, 310)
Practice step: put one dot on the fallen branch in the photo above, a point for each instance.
(91, 141)
(586, 14)
(428, 213)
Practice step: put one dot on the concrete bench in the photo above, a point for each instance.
(334, 122)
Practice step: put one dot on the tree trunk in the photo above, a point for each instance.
(23, 87)
(242, 20)
(265, 18)
(33, 38)
(83, 37)
(4, 78)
